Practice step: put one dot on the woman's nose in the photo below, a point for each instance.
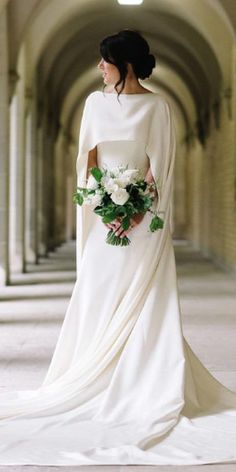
(100, 64)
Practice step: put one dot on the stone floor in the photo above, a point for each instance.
(32, 310)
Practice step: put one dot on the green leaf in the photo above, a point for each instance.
(107, 218)
(147, 202)
(125, 223)
(78, 198)
(96, 173)
(99, 210)
(82, 189)
(156, 223)
(120, 210)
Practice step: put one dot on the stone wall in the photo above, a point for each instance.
(211, 205)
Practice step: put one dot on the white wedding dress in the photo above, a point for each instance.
(123, 386)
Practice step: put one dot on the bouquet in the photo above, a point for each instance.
(118, 193)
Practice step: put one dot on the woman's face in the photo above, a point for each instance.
(110, 72)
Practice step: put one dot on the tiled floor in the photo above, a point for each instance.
(201, 468)
(31, 313)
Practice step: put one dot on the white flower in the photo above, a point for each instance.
(120, 196)
(122, 181)
(92, 183)
(99, 191)
(117, 171)
(132, 175)
(109, 184)
(94, 199)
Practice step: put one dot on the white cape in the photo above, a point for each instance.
(123, 386)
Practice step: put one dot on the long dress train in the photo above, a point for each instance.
(123, 385)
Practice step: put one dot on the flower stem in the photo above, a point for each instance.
(117, 240)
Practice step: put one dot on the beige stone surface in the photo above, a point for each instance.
(211, 193)
(107, 468)
(32, 310)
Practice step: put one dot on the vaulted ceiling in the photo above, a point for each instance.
(192, 42)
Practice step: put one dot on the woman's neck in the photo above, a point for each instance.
(129, 90)
(131, 86)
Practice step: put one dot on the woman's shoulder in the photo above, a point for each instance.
(156, 96)
(92, 94)
(155, 103)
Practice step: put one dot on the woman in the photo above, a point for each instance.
(123, 386)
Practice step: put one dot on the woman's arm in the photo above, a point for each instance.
(149, 179)
(92, 160)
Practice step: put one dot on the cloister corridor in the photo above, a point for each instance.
(49, 51)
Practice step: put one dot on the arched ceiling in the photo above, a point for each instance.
(32, 16)
(192, 39)
(172, 40)
(205, 16)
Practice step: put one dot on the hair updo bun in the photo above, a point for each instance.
(143, 68)
(128, 46)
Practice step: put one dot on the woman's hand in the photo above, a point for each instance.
(117, 228)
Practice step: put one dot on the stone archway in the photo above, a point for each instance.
(194, 43)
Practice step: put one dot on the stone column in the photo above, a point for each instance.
(179, 195)
(70, 189)
(50, 169)
(64, 173)
(30, 180)
(59, 180)
(4, 151)
(40, 233)
(45, 188)
(17, 181)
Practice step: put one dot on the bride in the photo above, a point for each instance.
(123, 385)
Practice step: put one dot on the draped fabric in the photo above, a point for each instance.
(152, 124)
(123, 385)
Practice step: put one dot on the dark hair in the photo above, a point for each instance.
(128, 46)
